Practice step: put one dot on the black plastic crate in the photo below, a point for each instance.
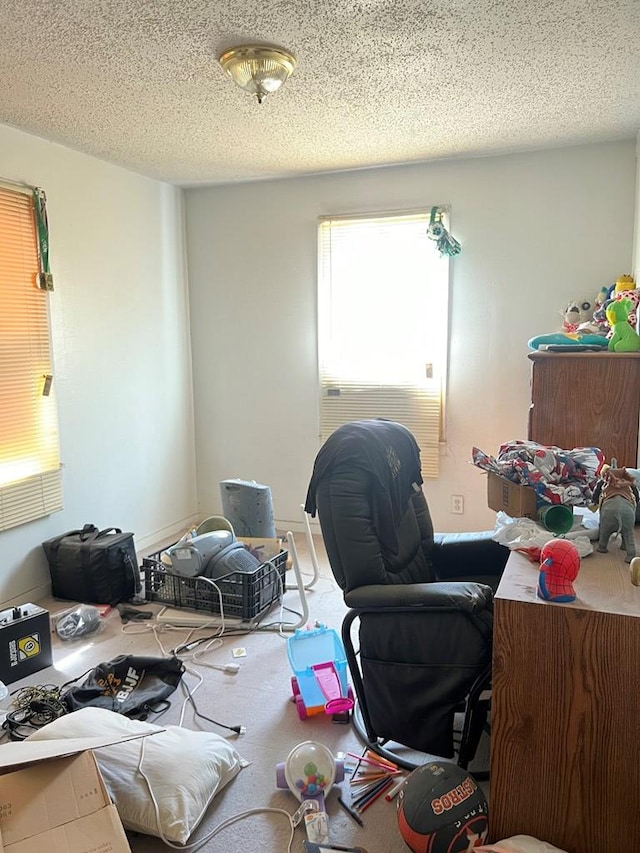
(245, 595)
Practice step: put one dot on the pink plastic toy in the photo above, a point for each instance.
(319, 683)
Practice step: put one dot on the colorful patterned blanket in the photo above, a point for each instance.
(558, 476)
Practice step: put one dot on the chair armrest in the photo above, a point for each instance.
(468, 556)
(467, 596)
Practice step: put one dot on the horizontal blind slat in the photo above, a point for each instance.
(30, 499)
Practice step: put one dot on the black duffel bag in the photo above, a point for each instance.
(93, 566)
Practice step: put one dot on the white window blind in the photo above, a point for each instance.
(30, 472)
(382, 326)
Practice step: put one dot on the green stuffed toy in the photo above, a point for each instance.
(624, 338)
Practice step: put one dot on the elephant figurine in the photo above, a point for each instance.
(617, 496)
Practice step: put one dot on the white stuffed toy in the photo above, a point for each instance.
(520, 844)
(577, 314)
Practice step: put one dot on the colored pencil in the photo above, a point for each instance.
(371, 777)
(364, 759)
(362, 780)
(364, 796)
(380, 760)
(363, 790)
(351, 812)
(375, 796)
(359, 759)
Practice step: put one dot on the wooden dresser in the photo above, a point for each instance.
(587, 399)
(565, 718)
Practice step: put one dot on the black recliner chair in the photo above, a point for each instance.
(424, 603)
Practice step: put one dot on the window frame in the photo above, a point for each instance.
(30, 467)
(421, 407)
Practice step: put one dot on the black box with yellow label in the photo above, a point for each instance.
(25, 641)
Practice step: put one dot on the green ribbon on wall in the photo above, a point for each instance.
(42, 227)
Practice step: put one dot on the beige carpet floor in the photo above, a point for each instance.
(258, 697)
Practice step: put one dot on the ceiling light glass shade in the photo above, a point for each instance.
(258, 69)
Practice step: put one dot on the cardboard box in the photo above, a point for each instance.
(53, 798)
(516, 500)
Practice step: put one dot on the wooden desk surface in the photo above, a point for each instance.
(603, 583)
(565, 738)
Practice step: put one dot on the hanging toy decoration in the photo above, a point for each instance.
(44, 278)
(445, 242)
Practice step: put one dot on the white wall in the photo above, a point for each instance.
(537, 229)
(121, 350)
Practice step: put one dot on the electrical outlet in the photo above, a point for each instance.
(457, 504)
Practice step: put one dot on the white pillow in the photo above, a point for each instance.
(520, 844)
(186, 769)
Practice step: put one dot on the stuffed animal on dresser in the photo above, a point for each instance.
(624, 337)
(577, 314)
(617, 495)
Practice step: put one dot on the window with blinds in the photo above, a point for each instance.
(382, 326)
(30, 472)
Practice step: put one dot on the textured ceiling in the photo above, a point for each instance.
(137, 82)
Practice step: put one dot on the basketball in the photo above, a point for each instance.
(441, 809)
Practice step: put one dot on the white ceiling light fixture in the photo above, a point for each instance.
(258, 68)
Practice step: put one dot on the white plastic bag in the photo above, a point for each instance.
(525, 533)
(78, 622)
(520, 844)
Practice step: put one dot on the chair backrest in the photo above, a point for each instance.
(375, 522)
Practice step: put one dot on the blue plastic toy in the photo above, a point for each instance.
(319, 683)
